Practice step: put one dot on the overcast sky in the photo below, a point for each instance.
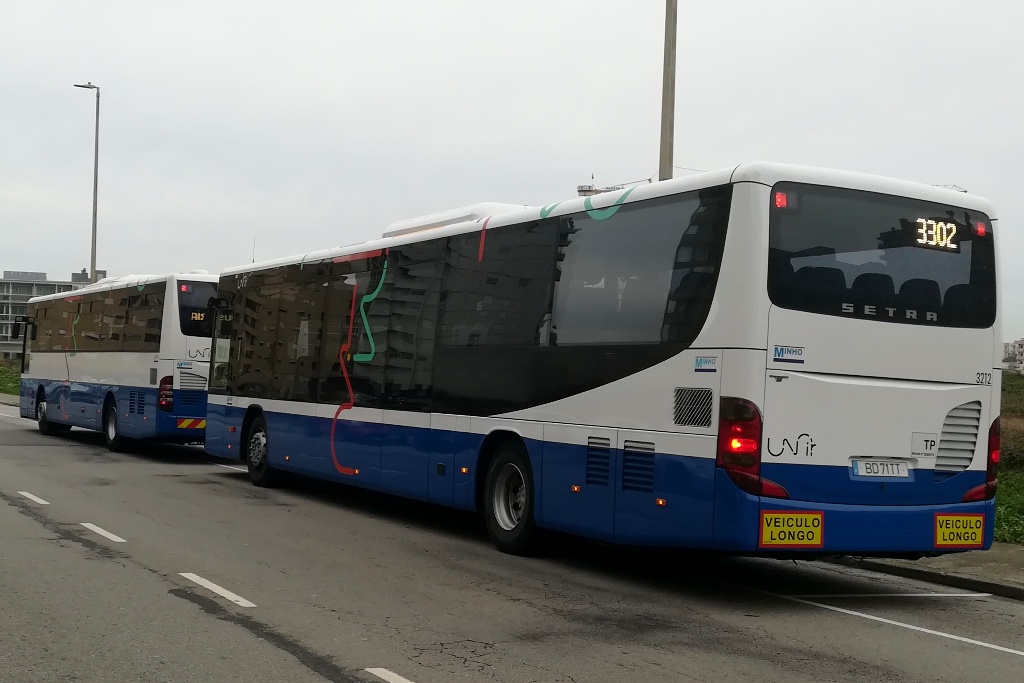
(307, 125)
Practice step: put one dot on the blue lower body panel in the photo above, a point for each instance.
(78, 404)
(744, 523)
(628, 498)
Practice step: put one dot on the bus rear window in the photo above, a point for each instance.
(193, 300)
(879, 257)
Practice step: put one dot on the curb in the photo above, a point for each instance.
(970, 583)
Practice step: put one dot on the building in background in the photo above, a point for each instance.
(16, 288)
(1013, 356)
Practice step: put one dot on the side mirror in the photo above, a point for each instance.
(16, 331)
(218, 302)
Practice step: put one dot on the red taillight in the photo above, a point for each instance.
(781, 200)
(987, 491)
(165, 396)
(979, 228)
(739, 448)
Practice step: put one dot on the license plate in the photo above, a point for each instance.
(881, 468)
(959, 531)
(792, 529)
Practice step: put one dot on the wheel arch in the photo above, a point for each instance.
(491, 443)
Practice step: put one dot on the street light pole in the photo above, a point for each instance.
(668, 92)
(95, 178)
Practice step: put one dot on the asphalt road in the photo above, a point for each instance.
(188, 573)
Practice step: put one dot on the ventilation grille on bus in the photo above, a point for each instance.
(693, 407)
(959, 436)
(599, 460)
(190, 380)
(638, 466)
(189, 399)
(136, 403)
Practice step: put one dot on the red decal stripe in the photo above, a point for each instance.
(483, 237)
(348, 385)
(356, 257)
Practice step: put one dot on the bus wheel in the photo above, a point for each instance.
(111, 434)
(46, 428)
(508, 501)
(257, 452)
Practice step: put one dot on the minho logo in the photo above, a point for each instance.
(789, 354)
(705, 364)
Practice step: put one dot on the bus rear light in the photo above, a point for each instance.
(781, 200)
(739, 448)
(979, 229)
(987, 491)
(165, 395)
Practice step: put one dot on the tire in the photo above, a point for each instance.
(46, 428)
(257, 454)
(111, 434)
(508, 501)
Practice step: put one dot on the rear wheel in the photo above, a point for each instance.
(111, 432)
(46, 428)
(508, 501)
(257, 453)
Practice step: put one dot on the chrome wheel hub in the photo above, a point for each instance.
(257, 450)
(509, 497)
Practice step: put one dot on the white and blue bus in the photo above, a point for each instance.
(128, 356)
(765, 359)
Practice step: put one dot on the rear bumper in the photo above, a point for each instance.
(770, 526)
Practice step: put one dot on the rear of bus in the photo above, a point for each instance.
(878, 431)
(184, 364)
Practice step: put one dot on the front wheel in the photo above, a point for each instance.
(111, 432)
(508, 501)
(257, 453)
(46, 428)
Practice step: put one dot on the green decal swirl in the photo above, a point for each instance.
(602, 214)
(367, 357)
(545, 211)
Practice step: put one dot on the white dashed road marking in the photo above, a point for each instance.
(37, 499)
(223, 592)
(388, 676)
(103, 532)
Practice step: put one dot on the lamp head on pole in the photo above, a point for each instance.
(88, 85)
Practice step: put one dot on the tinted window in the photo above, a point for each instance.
(193, 300)
(145, 318)
(645, 274)
(879, 257)
(414, 292)
(500, 295)
(299, 311)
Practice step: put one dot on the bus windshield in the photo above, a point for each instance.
(873, 256)
(193, 300)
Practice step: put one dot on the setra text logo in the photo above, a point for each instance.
(789, 354)
(705, 364)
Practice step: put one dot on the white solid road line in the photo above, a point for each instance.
(232, 467)
(33, 498)
(103, 532)
(388, 676)
(223, 592)
(891, 622)
(825, 596)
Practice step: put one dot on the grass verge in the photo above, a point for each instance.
(1010, 507)
(10, 377)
